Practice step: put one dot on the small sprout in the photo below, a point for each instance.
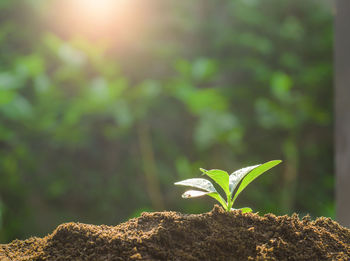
(227, 182)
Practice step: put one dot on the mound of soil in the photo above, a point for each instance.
(215, 235)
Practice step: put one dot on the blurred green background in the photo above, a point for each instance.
(105, 104)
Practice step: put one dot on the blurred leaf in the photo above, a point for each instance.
(292, 29)
(31, 65)
(99, 92)
(6, 96)
(71, 55)
(183, 167)
(123, 114)
(271, 115)
(203, 69)
(215, 128)
(183, 67)
(18, 108)
(6, 133)
(41, 83)
(7, 81)
(280, 86)
(201, 100)
(150, 89)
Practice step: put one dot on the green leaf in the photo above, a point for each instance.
(244, 210)
(220, 177)
(197, 183)
(238, 175)
(253, 174)
(218, 198)
(194, 194)
(197, 193)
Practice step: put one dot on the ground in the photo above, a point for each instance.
(216, 235)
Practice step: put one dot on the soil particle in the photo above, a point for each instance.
(215, 235)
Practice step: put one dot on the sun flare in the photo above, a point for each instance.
(96, 9)
(118, 21)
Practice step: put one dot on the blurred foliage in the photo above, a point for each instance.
(95, 131)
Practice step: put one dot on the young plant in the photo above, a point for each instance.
(227, 182)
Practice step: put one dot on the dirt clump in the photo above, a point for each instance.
(216, 235)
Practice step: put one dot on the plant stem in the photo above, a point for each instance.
(228, 203)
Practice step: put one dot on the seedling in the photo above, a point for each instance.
(227, 182)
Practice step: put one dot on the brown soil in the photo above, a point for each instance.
(215, 235)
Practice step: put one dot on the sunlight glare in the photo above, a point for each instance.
(96, 9)
(118, 20)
